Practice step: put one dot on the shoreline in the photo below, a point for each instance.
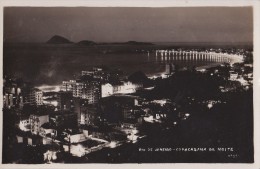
(207, 66)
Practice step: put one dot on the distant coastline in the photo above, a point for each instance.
(166, 44)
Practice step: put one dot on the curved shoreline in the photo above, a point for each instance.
(207, 66)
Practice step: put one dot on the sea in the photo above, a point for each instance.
(50, 64)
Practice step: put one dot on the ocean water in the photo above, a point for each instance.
(50, 64)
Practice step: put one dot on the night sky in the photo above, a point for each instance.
(176, 24)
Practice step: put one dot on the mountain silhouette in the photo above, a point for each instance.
(56, 39)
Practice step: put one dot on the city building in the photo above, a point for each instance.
(117, 108)
(78, 106)
(96, 73)
(63, 120)
(77, 90)
(47, 129)
(33, 96)
(88, 115)
(34, 140)
(24, 124)
(104, 75)
(59, 121)
(36, 121)
(12, 94)
(127, 87)
(12, 87)
(90, 90)
(8, 100)
(103, 133)
(65, 100)
(38, 97)
(107, 90)
(130, 112)
(68, 85)
(73, 136)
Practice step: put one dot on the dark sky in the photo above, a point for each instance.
(178, 24)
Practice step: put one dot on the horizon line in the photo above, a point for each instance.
(130, 41)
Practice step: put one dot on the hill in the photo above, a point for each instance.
(56, 39)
